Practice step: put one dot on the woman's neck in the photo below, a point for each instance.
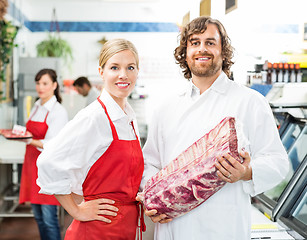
(44, 100)
(121, 103)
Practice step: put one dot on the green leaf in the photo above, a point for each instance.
(8, 33)
(54, 46)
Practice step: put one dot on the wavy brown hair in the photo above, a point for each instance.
(198, 26)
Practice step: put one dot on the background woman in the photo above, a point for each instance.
(46, 119)
(98, 156)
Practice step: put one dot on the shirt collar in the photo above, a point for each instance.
(48, 105)
(193, 91)
(114, 110)
(219, 85)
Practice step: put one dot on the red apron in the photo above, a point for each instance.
(115, 175)
(28, 188)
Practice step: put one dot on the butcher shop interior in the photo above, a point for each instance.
(270, 56)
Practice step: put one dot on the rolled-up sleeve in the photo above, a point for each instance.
(56, 121)
(152, 151)
(65, 160)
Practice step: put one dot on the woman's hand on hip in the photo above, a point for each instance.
(96, 209)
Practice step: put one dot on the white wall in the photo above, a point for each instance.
(157, 68)
(245, 26)
(93, 10)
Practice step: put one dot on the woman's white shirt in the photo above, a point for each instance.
(66, 159)
(56, 120)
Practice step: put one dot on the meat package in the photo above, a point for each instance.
(190, 179)
(8, 134)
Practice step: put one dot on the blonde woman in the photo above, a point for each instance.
(98, 156)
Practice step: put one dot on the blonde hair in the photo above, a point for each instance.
(114, 46)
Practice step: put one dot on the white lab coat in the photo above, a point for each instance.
(186, 118)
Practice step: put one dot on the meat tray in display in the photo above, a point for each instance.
(190, 179)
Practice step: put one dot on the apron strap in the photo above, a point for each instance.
(46, 116)
(33, 113)
(48, 111)
(141, 223)
(114, 133)
(36, 111)
(134, 130)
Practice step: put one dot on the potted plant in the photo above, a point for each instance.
(8, 33)
(55, 46)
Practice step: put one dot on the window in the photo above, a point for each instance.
(230, 5)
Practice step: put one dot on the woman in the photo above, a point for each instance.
(98, 156)
(47, 118)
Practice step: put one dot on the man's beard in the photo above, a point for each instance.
(205, 71)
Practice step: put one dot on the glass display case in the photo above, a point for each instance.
(291, 133)
(294, 212)
(295, 140)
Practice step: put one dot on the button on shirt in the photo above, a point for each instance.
(56, 120)
(66, 160)
(187, 117)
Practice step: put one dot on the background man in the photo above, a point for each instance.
(84, 87)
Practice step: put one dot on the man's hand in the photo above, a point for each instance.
(152, 214)
(230, 170)
(157, 218)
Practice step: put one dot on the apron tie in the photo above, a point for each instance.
(141, 223)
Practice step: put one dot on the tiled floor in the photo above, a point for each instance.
(24, 228)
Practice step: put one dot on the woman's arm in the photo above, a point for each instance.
(90, 210)
(33, 142)
(36, 143)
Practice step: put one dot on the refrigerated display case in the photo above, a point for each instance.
(293, 212)
(295, 140)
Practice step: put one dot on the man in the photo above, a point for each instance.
(84, 87)
(205, 55)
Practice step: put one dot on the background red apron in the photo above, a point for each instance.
(115, 175)
(28, 188)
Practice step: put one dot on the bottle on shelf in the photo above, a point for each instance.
(274, 73)
(298, 73)
(269, 75)
(280, 72)
(292, 72)
(286, 73)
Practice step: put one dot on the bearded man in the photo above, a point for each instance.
(205, 55)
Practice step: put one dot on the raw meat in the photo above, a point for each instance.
(8, 134)
(190, 179)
